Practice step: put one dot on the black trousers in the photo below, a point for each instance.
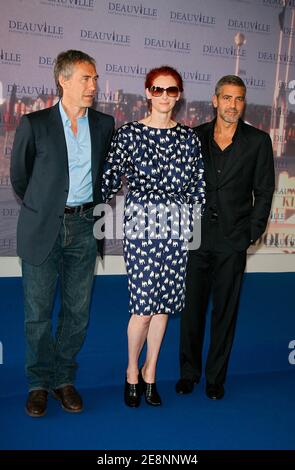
(216, 269)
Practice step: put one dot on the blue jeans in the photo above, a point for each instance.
(51, 361)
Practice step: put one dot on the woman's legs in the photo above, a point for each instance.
(137, 332)
(155, 336)
(140, 329)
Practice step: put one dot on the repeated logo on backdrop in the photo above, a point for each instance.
(133, 9)
(109, 37)
(10, 57)
(87, 5)
(192, 18)
(44, 28)
(226, 51)
(168, 44)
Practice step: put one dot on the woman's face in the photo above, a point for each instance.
(163, 103)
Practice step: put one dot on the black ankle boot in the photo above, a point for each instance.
(150, 391)
(132, 394)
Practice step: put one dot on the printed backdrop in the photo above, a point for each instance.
(203, 39)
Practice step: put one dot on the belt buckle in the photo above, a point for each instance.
(73, 209)
(77, 209)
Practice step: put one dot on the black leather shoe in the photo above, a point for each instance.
(69, 398)
(150, 391)
(184, 386)
(37, 403)
(132, 394)
(214, 391)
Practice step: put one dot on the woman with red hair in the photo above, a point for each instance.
(162, 162)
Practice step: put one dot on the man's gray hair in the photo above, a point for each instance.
(65, 62)
(229, 80)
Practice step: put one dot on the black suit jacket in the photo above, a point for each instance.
(40, 176)
(244, 190)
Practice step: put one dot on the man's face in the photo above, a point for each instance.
(230, 103)
(79, 90)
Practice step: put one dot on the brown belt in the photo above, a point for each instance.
(78, 209)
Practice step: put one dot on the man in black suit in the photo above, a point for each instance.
(56, 168)
(239, 175)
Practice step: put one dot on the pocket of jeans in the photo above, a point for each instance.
(88, 216)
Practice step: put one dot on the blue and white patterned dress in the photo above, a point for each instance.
(164, 169)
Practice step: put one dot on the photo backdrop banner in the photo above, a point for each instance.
(203, 39)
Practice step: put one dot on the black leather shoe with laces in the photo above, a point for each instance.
(132, 394)
(150, 391)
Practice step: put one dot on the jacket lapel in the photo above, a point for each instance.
(210, 171)
(95, 137)
(235, 158)
(57, 136)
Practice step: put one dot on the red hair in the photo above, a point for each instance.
(166, 71)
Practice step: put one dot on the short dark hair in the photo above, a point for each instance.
(229, 80)
(65, 62)
(165, 70)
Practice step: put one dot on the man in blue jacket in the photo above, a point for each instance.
(56, 167)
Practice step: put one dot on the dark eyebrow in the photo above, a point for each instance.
(89, 76)
(230, 96)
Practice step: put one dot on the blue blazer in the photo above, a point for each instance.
(40, 176)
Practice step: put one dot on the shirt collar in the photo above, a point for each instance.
(64, 117)
(237, 131)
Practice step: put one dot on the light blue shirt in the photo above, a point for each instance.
(79, 159)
